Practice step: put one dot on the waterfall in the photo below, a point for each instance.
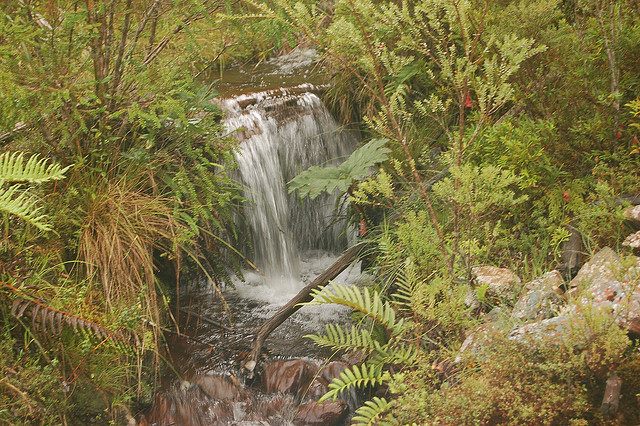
(283, 132)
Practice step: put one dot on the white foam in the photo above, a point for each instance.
(274, 292)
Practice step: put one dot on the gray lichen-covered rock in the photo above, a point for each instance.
(633, 214)
(542, 299)
(603, 267)
(632, 241)
(501, 283)
(613, 283)
(547, 328)
(607, 282)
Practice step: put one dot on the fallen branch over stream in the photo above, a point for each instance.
(346, 259)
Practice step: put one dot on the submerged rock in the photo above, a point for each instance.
(273, 410)
(290, 376)
(321, 413)
(320, 384)
(188, 405)
(222, 387)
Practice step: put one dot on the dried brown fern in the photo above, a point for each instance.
(50, 320)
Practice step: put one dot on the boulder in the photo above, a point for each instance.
(288, 376)
(320, 384)
(475, 340)
(633, 241)
(501, 283)
(633, 214)
(548, 328)
(321, 413)
(599, 271)
(222, 387)
(608, 282)
(542, 299)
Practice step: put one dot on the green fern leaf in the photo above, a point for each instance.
(338, 338)
(14, 168)
(361, 300)
(19, 203)
(371, 413)
(317, 180)
(395, 353)
(407, 283)
(355, 377)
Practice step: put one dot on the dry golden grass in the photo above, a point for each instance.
(124, 228)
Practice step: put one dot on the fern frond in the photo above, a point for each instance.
(407, 282)
(18, 202)
(371, 413)
(317, 180)
(398, 353)
(14, 168)
(368, 303)
(355, 377)
(51, 320)
(337, 338)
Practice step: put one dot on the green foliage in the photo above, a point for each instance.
(317, 180)
(30, 391)
(13, 168)
(15, 200)
(538, 380)
(380, 351)
(360, 300)
(371, 413)
(111, 88)
(355, 377)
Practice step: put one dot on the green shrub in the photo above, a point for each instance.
(529, 381)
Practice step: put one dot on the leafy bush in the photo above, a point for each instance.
(547, 380)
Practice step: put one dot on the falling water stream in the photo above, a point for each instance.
(282, 131)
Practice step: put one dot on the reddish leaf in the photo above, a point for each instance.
(468, 102)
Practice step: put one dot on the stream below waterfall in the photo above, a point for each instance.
(283, 128)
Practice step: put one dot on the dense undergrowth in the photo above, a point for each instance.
(506, 122)
(511, 125)
(108, 91)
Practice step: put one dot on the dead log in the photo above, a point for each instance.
(346, 259)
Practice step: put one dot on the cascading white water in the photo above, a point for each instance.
(282, 133)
